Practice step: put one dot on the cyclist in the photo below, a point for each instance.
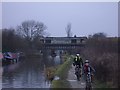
(78, 63)
(87, 68)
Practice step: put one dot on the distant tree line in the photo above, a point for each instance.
(25, 37)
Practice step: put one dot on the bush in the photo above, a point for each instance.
(103, 55)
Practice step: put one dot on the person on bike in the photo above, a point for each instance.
(87, 68)
(78, 61)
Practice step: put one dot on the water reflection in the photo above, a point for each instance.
(28, 74)
(53, 61)
(57, 60)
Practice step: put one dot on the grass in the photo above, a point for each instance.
(62, 72)
(60, 84)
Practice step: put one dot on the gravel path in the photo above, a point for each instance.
(73, 80)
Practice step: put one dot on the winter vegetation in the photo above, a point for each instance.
(103, 54)
(62, 73)
(24, 38)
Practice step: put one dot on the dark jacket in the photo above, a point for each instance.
(78, 61)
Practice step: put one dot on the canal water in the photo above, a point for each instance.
(28, 73)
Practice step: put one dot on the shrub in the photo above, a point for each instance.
(103, 55)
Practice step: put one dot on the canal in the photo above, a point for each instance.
(28, 73)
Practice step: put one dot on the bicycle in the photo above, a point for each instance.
(78, 72)
(88, 81)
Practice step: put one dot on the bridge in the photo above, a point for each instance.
(62, 43)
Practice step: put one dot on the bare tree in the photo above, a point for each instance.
(31, 29)
(68, 30)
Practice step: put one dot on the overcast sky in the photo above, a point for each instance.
(86, 18)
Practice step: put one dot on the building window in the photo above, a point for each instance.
(47, 41)
(82, 40)
(73, 41)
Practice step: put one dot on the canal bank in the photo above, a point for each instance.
(28, 73)
(62, 73)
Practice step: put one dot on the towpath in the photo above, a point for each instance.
(73, 80)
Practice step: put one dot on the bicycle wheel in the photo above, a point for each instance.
(78, 72)
(88, 82)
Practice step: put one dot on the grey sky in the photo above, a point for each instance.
(86, 18)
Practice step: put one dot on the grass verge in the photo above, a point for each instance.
(62, 72)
